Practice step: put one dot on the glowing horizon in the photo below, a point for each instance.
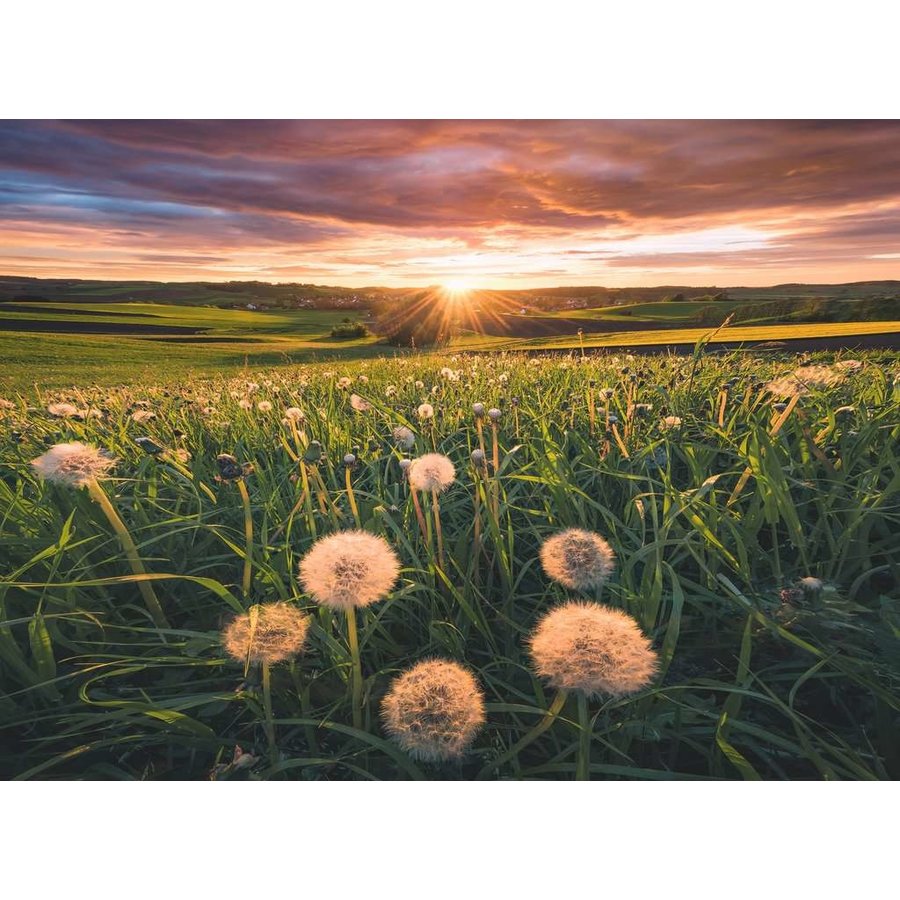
(477, 204)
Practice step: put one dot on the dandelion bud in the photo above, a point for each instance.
(149, 446)
(349, 460)
(434, 710)
(230, 469)
(478, 458)
(577, 559)
(593, 649)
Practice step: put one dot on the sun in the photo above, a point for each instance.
(457, 288)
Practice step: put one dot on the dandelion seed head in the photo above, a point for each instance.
(294, 414)
(431, 472)
(404, 437)
(344, 383)
(593, 649)
(350, 568)
(811, 584)
(73, 465)
(803, 380)
(279, 634)
(577, 559)
(434, 710)
(63, 410)
(494, 414)
(264, 406)
(478, 409)
(359, 404)
(670, 422)
(425, 411)
(478, 458)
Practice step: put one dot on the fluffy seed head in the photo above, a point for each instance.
(425, 411)
(432, 472)
(278, 633)
(404, 437)
(359, 403)
(73, 464)
(434, 710)
(577, 559)
(593, 649)
(350, 568)
(670, 422)
(264, 406)
(294, 414)
(803, 380)
(62, 410)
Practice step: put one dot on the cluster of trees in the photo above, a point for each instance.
(348, 329)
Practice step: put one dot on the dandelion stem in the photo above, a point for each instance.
(310, 515)
(419, 514)
(583, 765)
(495, 484)
(356, 670)
(436, 509)
(351, 497)
(549, 717)
(98, 495)
(248, 536)
(267, 706)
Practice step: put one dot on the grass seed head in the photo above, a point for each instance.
(577, 559)
(279, 634)
(350, 568)
(593, 649)
(73, 465)
(434, 710)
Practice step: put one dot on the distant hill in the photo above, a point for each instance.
(264, 295)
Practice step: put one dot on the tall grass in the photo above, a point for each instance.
(713, 524)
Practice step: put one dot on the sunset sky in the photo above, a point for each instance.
(493, 204)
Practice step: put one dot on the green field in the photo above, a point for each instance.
(755, 548)
(126, 342)
(682, 336)
(230, 340)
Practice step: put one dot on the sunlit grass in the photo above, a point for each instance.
(759, 676)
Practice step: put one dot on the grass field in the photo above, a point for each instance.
(187, 341)
(122, 342)
(717, 518)
(682, 336)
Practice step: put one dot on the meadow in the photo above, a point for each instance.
(750, 504)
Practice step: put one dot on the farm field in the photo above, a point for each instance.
(165, 616)
(58, 344)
